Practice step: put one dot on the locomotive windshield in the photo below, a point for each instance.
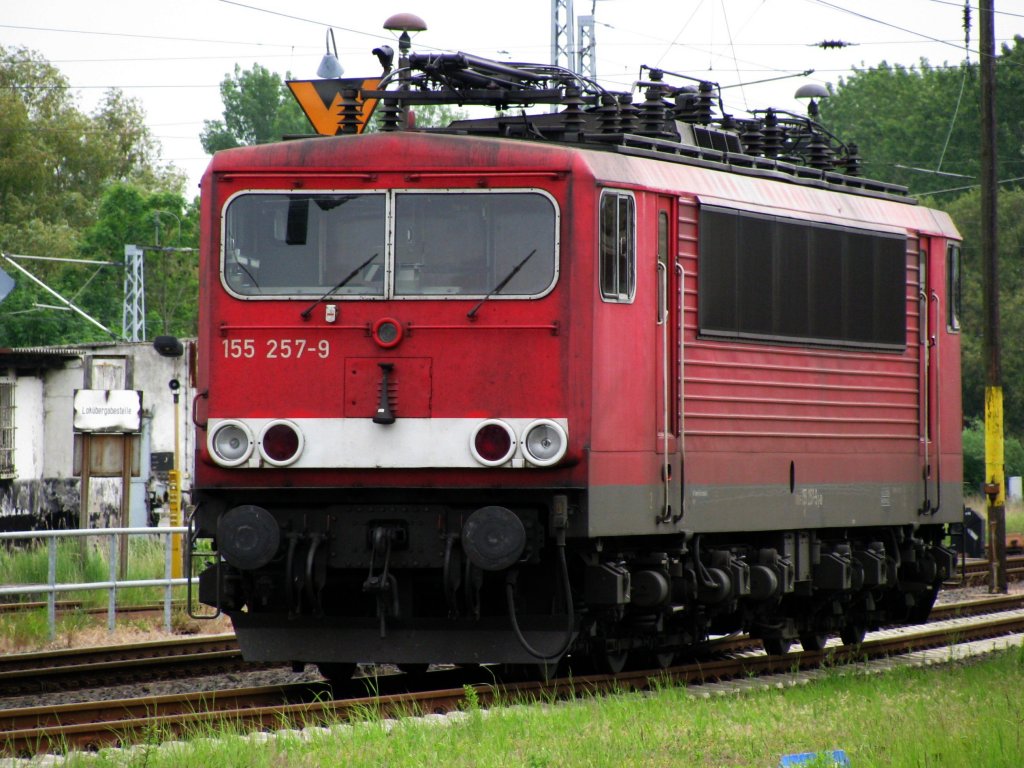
(388, 244)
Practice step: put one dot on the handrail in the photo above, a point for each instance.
(52, 586)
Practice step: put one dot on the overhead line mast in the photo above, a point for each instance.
(995, 480)
(573, 44)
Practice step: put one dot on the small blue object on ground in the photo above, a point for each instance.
(838, 757)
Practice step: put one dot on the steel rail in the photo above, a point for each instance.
(47, 670)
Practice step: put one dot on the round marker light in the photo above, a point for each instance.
(493, 443)
(280, 443)
(231, 443)
(387, 332)
(544, 442)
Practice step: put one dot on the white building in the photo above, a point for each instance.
(41, 452)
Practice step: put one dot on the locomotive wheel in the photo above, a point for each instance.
(852, 634)
(918, 613)
(813, 641)
(776, 646)
(337, 673)
(660, 659)
(546, 671)
(542, 671)
(610, 662)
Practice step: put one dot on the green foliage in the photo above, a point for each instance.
(928, 118)
(58, 167)
(258, 108)
(126, 214)
(903, 118)
(966, 212)
(974, 456)
(129, 215)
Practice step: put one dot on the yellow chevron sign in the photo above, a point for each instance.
(321, 101)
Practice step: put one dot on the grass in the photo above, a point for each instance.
(28, 565)
(75, 564)
(1014, 512)
(1015, 516)
(966, 714)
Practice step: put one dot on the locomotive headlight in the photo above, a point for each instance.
(544, 442)
(231, 443)
(492, 443)
(281, 443)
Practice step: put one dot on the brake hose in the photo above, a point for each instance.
(510, 585)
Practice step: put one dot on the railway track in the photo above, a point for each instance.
(143, 662)
(976, 572)
(37, 730)
(106, 665)
(77, 606)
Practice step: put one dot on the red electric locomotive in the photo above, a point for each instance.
(595, 382)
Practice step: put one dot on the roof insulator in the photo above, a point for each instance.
(852, 161)
(608, 114)
(572, 115)
(652, 113)
(819, 152)
(390, 116)
(774, 134)
(628, 113)
(350, 110)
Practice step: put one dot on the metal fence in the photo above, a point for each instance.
(112, 585)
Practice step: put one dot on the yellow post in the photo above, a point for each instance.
(174, 500)
(174, 495)
(995, 488)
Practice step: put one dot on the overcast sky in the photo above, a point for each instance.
(172, 55)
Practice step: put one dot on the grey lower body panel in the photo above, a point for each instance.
(276, 637)
(633, 510)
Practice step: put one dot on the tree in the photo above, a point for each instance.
(914, 124)
(130, 215)
(258, 108)
(55, 164)
(966, 212)
(974, 456)
(127, 214)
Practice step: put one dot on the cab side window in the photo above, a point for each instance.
(618, 247)
(953, 288)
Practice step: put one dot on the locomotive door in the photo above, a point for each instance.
(929, 322)
(668, 355)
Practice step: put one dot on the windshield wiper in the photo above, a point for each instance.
(502, 284)
(344, 281)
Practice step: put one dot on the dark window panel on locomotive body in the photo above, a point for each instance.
(771, 278)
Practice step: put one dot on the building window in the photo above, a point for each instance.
(7, 470)
(773, 278)
(618, 247)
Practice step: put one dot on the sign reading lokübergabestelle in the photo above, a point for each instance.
(108, 410)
